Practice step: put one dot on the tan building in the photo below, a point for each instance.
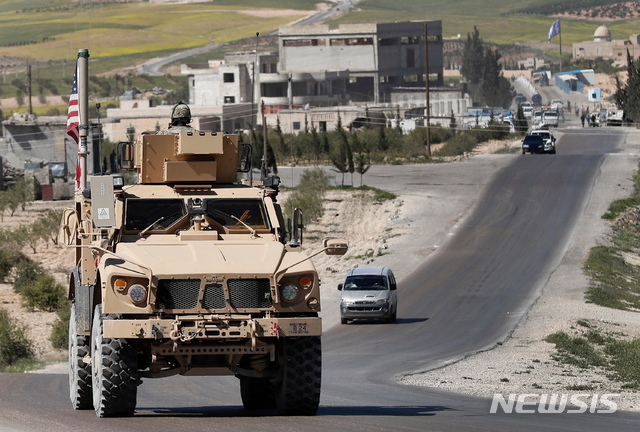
(603, 46)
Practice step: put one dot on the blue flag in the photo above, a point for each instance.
(554, 30)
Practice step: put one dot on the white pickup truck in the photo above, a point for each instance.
(614, 117)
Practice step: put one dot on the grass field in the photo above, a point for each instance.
(48, 33)
(496, 19)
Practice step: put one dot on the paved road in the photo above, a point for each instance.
(466, 297)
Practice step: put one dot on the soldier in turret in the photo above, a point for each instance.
(180, 119)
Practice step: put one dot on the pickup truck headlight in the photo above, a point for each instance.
(289, 292)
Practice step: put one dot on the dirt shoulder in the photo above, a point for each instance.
(523, 363)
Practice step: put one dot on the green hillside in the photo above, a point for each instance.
(499, 21)
(123, 33)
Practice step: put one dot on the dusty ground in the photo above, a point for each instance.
(58, 261)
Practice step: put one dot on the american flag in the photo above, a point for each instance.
(73, 121)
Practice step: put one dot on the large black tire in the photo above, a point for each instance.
(79, 371)
(298, 385)
(114, 372)
(257, 393)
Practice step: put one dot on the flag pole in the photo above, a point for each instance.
(83, 111)
(560, 37)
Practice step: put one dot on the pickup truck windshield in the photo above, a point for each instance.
(365, 283)
(250, 211)
(158, 213)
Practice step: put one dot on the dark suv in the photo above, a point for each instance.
(533, 144)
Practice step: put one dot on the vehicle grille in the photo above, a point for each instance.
(364, 309)
(178, 293)
(213, 297)
(249, 293)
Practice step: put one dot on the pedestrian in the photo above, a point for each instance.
(582, 119)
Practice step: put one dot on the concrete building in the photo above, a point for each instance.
(376, 57)
(139, 115)
(319, 66)
(603, 46)
(531, 63)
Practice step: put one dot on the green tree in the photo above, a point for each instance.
(316, 146)
(473, 57)
(362, 164)
(453, 125)
(521, 123)
(627, 95)
(339, 159)
(383, 141)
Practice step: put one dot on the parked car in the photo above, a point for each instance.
(549, 140)
(533, 144)
(369, 293)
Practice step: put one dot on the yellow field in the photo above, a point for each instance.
(132, 28)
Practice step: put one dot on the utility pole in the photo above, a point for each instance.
(265, 161)
(253, 103)
(30, 109)
(426, 84)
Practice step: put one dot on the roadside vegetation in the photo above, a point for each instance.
(614, 269)
(614, 273)
(590, 347)
(38, 289)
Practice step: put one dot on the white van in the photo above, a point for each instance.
(369, 293)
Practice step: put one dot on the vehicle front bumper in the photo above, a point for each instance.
(370, 311)
(533, 149)
(212, 327)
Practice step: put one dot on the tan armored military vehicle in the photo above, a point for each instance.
(187, 272)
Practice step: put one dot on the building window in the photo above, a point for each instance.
(351, 41)
(322, 126)
(409, 40)
(387, 41)
(229, 99)
(411, 59)
(296, 125)
(303, 42)
(228, 77)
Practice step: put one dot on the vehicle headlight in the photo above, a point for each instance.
(381, 301)
(289, 292)
(137, 293)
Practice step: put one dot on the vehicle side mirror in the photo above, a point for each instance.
(339, 287)
(296, 226)
(125, 155)
(335, 246)
(245, 157)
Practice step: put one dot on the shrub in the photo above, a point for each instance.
(6, 264)
(459, 144)
(44, 293)
(60, 331)
(27, 272)
(14, 344)
(308, 195)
